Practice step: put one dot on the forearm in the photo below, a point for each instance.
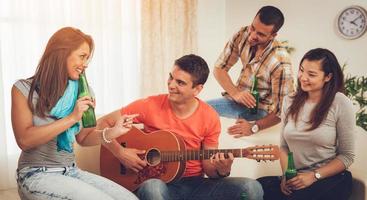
(225, 81)
(332, 168)
(34, 136)
(114, 147)
(268, 121)
(93, 136)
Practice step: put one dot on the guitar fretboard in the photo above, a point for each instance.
(171, 156)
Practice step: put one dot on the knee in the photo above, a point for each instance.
(253, 189)
(153, 189)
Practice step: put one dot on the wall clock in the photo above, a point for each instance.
(351, 22)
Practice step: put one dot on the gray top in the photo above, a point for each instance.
(332, 139)
(46, 154)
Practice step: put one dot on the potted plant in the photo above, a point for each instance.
(356, 90)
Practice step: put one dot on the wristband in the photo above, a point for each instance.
(104, 136)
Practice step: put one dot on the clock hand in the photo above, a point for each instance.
(354, 20)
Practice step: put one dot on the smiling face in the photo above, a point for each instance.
(311, 76)
(77, 61)
(180, 86)
(259, 33)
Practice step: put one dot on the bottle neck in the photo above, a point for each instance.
(83, 85)
(254, 84)
(290, 161)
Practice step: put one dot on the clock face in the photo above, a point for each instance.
(352, 22)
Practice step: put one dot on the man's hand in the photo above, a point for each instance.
(240, 129)
(130, 159)
(245, 98)
(301, 181)
(222, 165)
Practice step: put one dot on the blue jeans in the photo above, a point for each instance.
(67, 183)
(337, 187)
(231, 109)
(200, 188)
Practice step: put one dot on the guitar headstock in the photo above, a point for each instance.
(262, 153)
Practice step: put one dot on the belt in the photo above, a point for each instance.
(54, 169)
(29, 171)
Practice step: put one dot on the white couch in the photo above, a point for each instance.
(88, 157)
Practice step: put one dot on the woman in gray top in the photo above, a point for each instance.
(46, 170)
(318, 126)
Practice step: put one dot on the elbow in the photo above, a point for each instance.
(216, 72)
(23, 144)
(346, 159)
(80, 141)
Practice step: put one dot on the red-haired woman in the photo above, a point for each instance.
(45, 117)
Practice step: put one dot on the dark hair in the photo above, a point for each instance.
(270, 15)
(50, 78)
(195, 66)
(330, 65)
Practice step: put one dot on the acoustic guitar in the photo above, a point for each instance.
(166, 157)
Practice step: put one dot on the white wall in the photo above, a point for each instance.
(211, 39)
(308, 24)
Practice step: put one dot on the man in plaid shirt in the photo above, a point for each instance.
(261, 56)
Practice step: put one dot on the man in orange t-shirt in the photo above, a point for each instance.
(182, 113)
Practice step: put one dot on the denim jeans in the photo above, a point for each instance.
(337, 187)
(200, 188)
(67, 183)
(231, 109)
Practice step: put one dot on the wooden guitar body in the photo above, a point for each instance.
(153, 143)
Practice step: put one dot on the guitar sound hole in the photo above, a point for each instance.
(153, 157)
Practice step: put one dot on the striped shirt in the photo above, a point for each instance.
(273, 70)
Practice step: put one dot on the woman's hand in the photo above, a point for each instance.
(81, 105)
(284, 188)
(122, 126)
(301, 181)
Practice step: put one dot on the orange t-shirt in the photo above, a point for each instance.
(202, 127)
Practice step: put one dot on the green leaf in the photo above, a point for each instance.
(356, 90)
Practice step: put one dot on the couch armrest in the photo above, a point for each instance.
(87, 158)
(358, 168)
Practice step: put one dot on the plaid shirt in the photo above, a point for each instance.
(273, 70)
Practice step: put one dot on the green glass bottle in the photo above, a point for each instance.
(291, 169)
(89, 117)
(256, 95)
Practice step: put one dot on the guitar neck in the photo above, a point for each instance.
(172, 156)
